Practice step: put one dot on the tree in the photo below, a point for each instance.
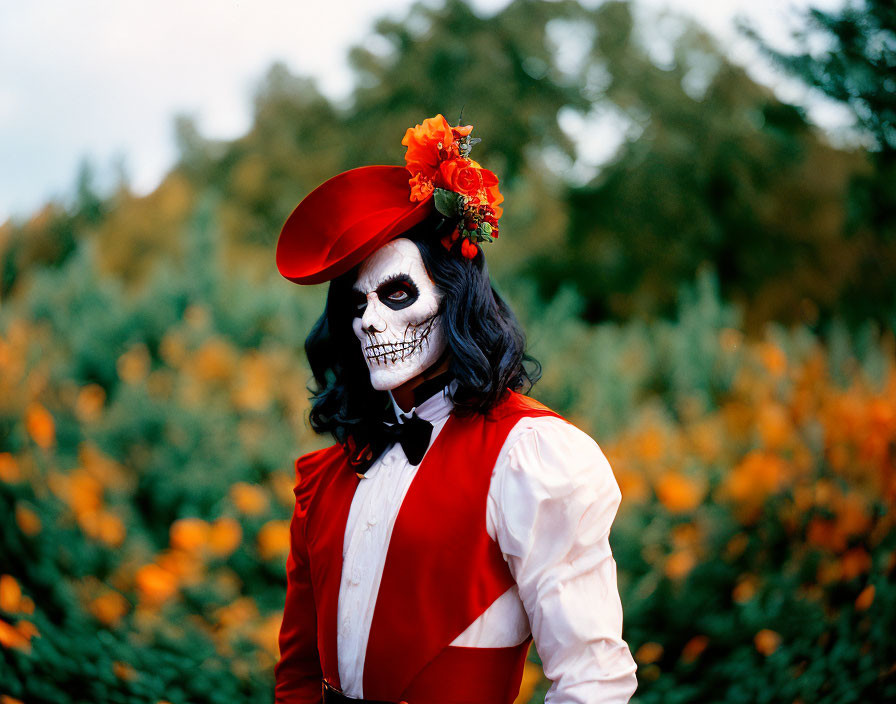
(856, 66)
(714, 170)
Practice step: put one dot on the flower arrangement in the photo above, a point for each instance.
(438, 159)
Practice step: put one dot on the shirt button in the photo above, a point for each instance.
(356, 576)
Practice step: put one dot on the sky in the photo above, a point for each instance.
(103, 79)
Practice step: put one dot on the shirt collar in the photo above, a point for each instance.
(433, 409)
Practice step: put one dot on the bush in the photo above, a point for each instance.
(146, 487)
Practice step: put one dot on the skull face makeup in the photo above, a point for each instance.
(397, 315)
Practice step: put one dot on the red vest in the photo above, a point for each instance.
(442, 571)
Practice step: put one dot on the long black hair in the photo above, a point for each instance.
(486, 344)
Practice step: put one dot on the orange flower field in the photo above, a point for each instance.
(146, 490)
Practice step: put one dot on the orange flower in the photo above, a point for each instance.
(865, 598)
(744, 589)
(758, 475)
(853, 515)
(736, 546)
(124, 671)
(224, 537)
(216, 360)
(188, 534)
(632, 485)
(104, 526)
(156, 584)
(282, 484)
(435, 159)
(767, 641)
(40, 426)
(18, 636)
(27, 629)
(85, 492)
(649, 443)
(273, 539)
(10, 637)
(27, 520)
(249, 499)
(421, 187)
(649, 652)
(679, 564)
(466, 177)
(823, 533)
(460, 176)
(133, 366)
(679, 493)
(492, 195)
(774, 425)
(90, 402)
(109, 608)
(773, 358)
(183, 565)
(9, 468)
(10, 593)
(854, 562)
(236, 613)
(428, 145)
(266, 634)
(693, 648)
(532, 675)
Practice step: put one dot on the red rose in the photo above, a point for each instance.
(460, 176)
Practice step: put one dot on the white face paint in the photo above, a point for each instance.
(397, 315)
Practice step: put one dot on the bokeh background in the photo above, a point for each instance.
(713, 299)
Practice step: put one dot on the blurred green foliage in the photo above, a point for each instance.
(152, 379)
(849, 55)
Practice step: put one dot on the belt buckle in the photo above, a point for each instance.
(327, 689)
(337, 696)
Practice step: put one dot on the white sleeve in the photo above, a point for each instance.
(551, 504)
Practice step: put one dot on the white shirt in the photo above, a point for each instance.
(551, 502)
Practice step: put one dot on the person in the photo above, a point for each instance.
(455, 518)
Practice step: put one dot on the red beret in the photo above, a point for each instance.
(344, 220)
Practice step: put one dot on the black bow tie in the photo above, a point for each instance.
(413, 435)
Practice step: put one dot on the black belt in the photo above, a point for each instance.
(332, 695)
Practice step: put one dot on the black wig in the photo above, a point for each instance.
(484, 340)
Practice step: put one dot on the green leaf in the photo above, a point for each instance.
(446, 202)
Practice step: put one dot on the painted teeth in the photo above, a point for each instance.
(391, 352)
(385, 348)
(378, 352)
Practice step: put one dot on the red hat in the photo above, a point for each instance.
(353, 214)
(345, 219)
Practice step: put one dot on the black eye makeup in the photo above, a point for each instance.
(398, 291)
